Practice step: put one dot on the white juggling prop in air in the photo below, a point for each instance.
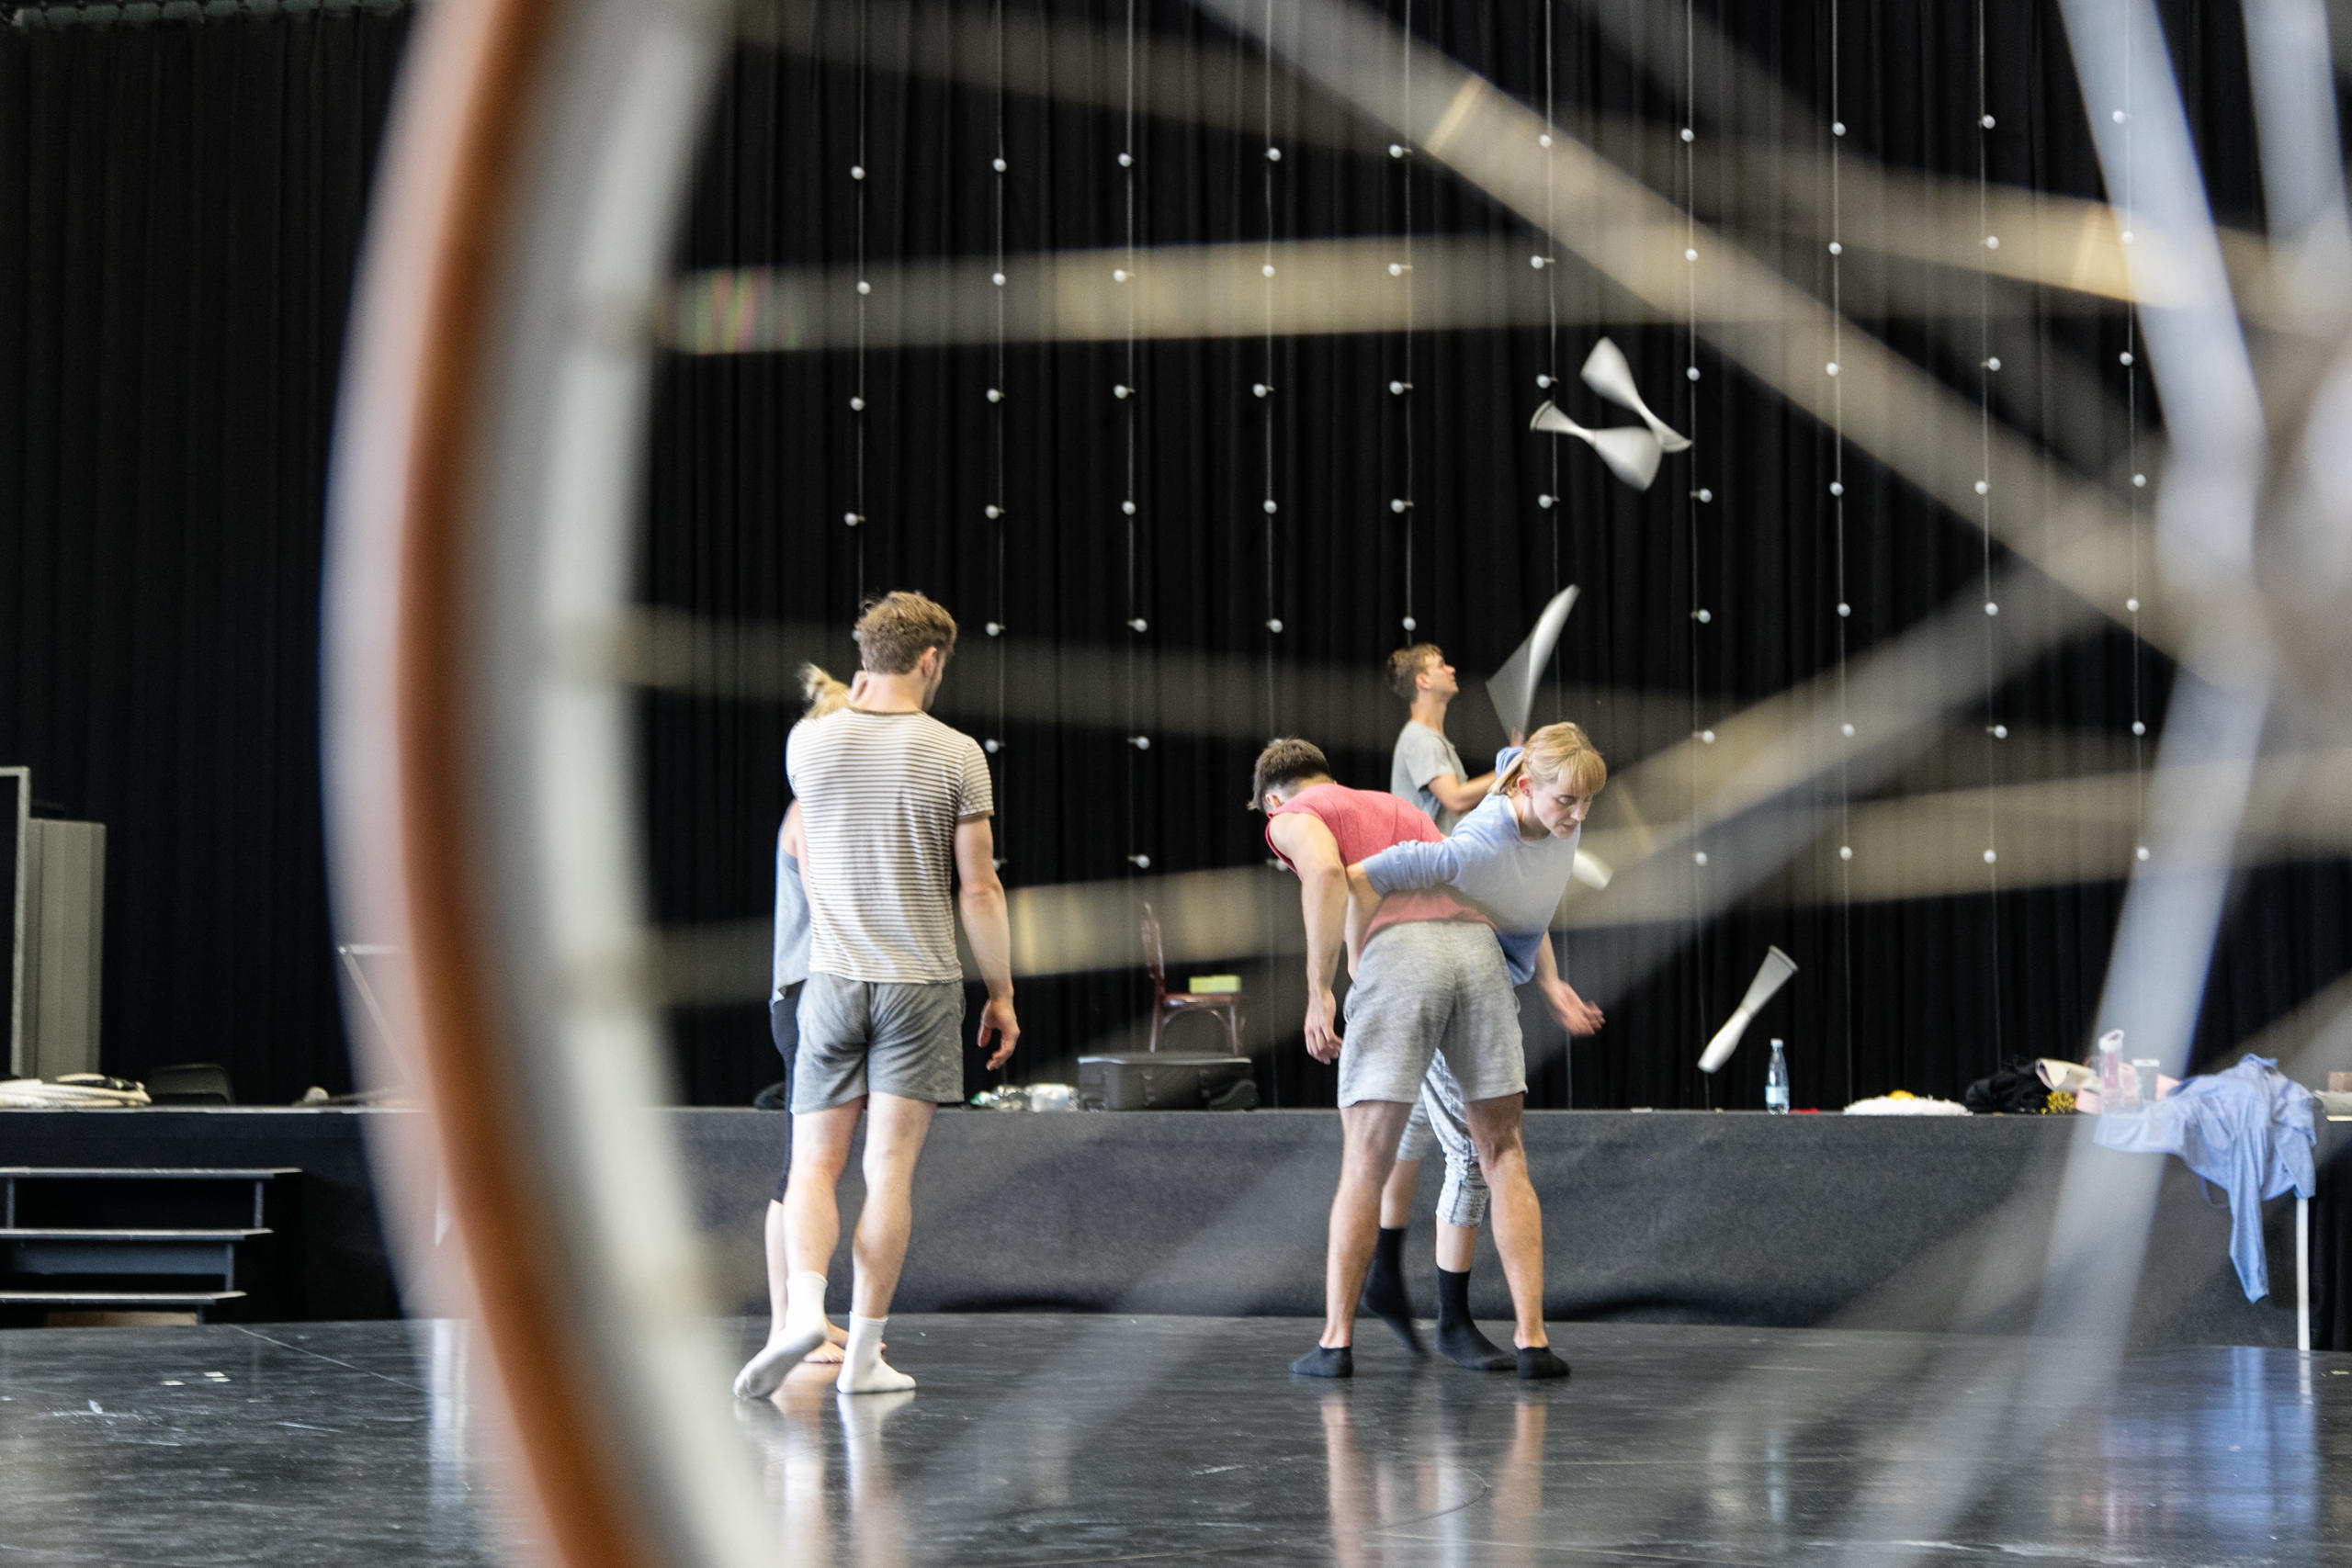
(1513, 688)
(1591, 870)
(1771, 976)
(1632, 454)
(1606, 372)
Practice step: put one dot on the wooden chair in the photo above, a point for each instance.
(1167, 1006)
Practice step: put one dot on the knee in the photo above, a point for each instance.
(1498, 1145)
(1368, 1157)
(816, 1162)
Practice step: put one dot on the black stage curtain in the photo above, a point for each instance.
(180, 208)
(180, 204)
(753, 467)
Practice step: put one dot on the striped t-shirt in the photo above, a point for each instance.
(880, 795)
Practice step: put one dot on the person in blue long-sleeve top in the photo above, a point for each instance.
(1512, 857)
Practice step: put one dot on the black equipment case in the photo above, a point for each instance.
(1166, 1080)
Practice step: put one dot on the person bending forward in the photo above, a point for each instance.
(1429, 978)
(1511, 858)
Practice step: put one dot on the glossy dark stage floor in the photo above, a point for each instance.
(1066, 1440)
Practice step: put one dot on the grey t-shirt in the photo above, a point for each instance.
(1421, 755)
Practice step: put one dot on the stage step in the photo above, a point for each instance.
(110, 1233)
(197, 1302)
(94, 1235)
(150, 1172)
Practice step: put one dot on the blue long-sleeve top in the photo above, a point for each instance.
(1516, 882)
(2249, 1130)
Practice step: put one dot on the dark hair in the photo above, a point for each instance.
(1283, 762)
(1404, 667)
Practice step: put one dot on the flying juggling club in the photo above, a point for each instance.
(1632, 454)
(1606, 372)
(1771, 976)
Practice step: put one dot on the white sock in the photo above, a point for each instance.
(803, 1331)
(862, 1369)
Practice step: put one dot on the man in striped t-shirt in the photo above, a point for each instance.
(895, 810)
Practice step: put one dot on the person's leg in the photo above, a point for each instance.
(1518, 1228)
(1369, 1129)
(1461, 1205)
(828, 1097)
(783, 1028)
(1482, 1045)
(1394, 1020)
(895, 1132)
(917, 1064)
(776, 1235)
(1384, 1293)
(1396, 1192)
(802, 1233)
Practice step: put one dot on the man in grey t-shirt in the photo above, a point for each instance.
(1426, 769)
(894, 812)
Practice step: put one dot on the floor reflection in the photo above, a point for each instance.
(1046, 1441)
(1424, 1485)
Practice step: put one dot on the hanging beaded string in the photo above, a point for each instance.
(1837, 512)
(1550, 500)
(1264, 392)
(1987, 367)
(854, 518)
(2129, 359)
(1692, 498)
(1400, 152)
(1124, 393)
(995, 509)
(1266, 375)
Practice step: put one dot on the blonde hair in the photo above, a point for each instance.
(824, 694)
(898, 627)
(1557, 753)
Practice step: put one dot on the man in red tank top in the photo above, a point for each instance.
(1430, 977)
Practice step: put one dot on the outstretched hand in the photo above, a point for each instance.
(1574, 1014)
(1323, 1025)
(997, 1022)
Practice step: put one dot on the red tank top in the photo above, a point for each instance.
(1366, 822)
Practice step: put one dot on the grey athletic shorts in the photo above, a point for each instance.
(1426, 989)
(862, 1037)
(1439, 1120)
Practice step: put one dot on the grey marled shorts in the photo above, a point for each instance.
(1425, 988)
(861, 1037)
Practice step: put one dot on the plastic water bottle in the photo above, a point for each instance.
(1776, 1083)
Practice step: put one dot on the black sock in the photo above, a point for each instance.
(1326, 1362)
(1458, 1339)
(1537, 1361)
(1383, 1289)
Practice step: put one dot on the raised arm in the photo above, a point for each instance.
(980, 897)
(1323, 901)
(1458, 796)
